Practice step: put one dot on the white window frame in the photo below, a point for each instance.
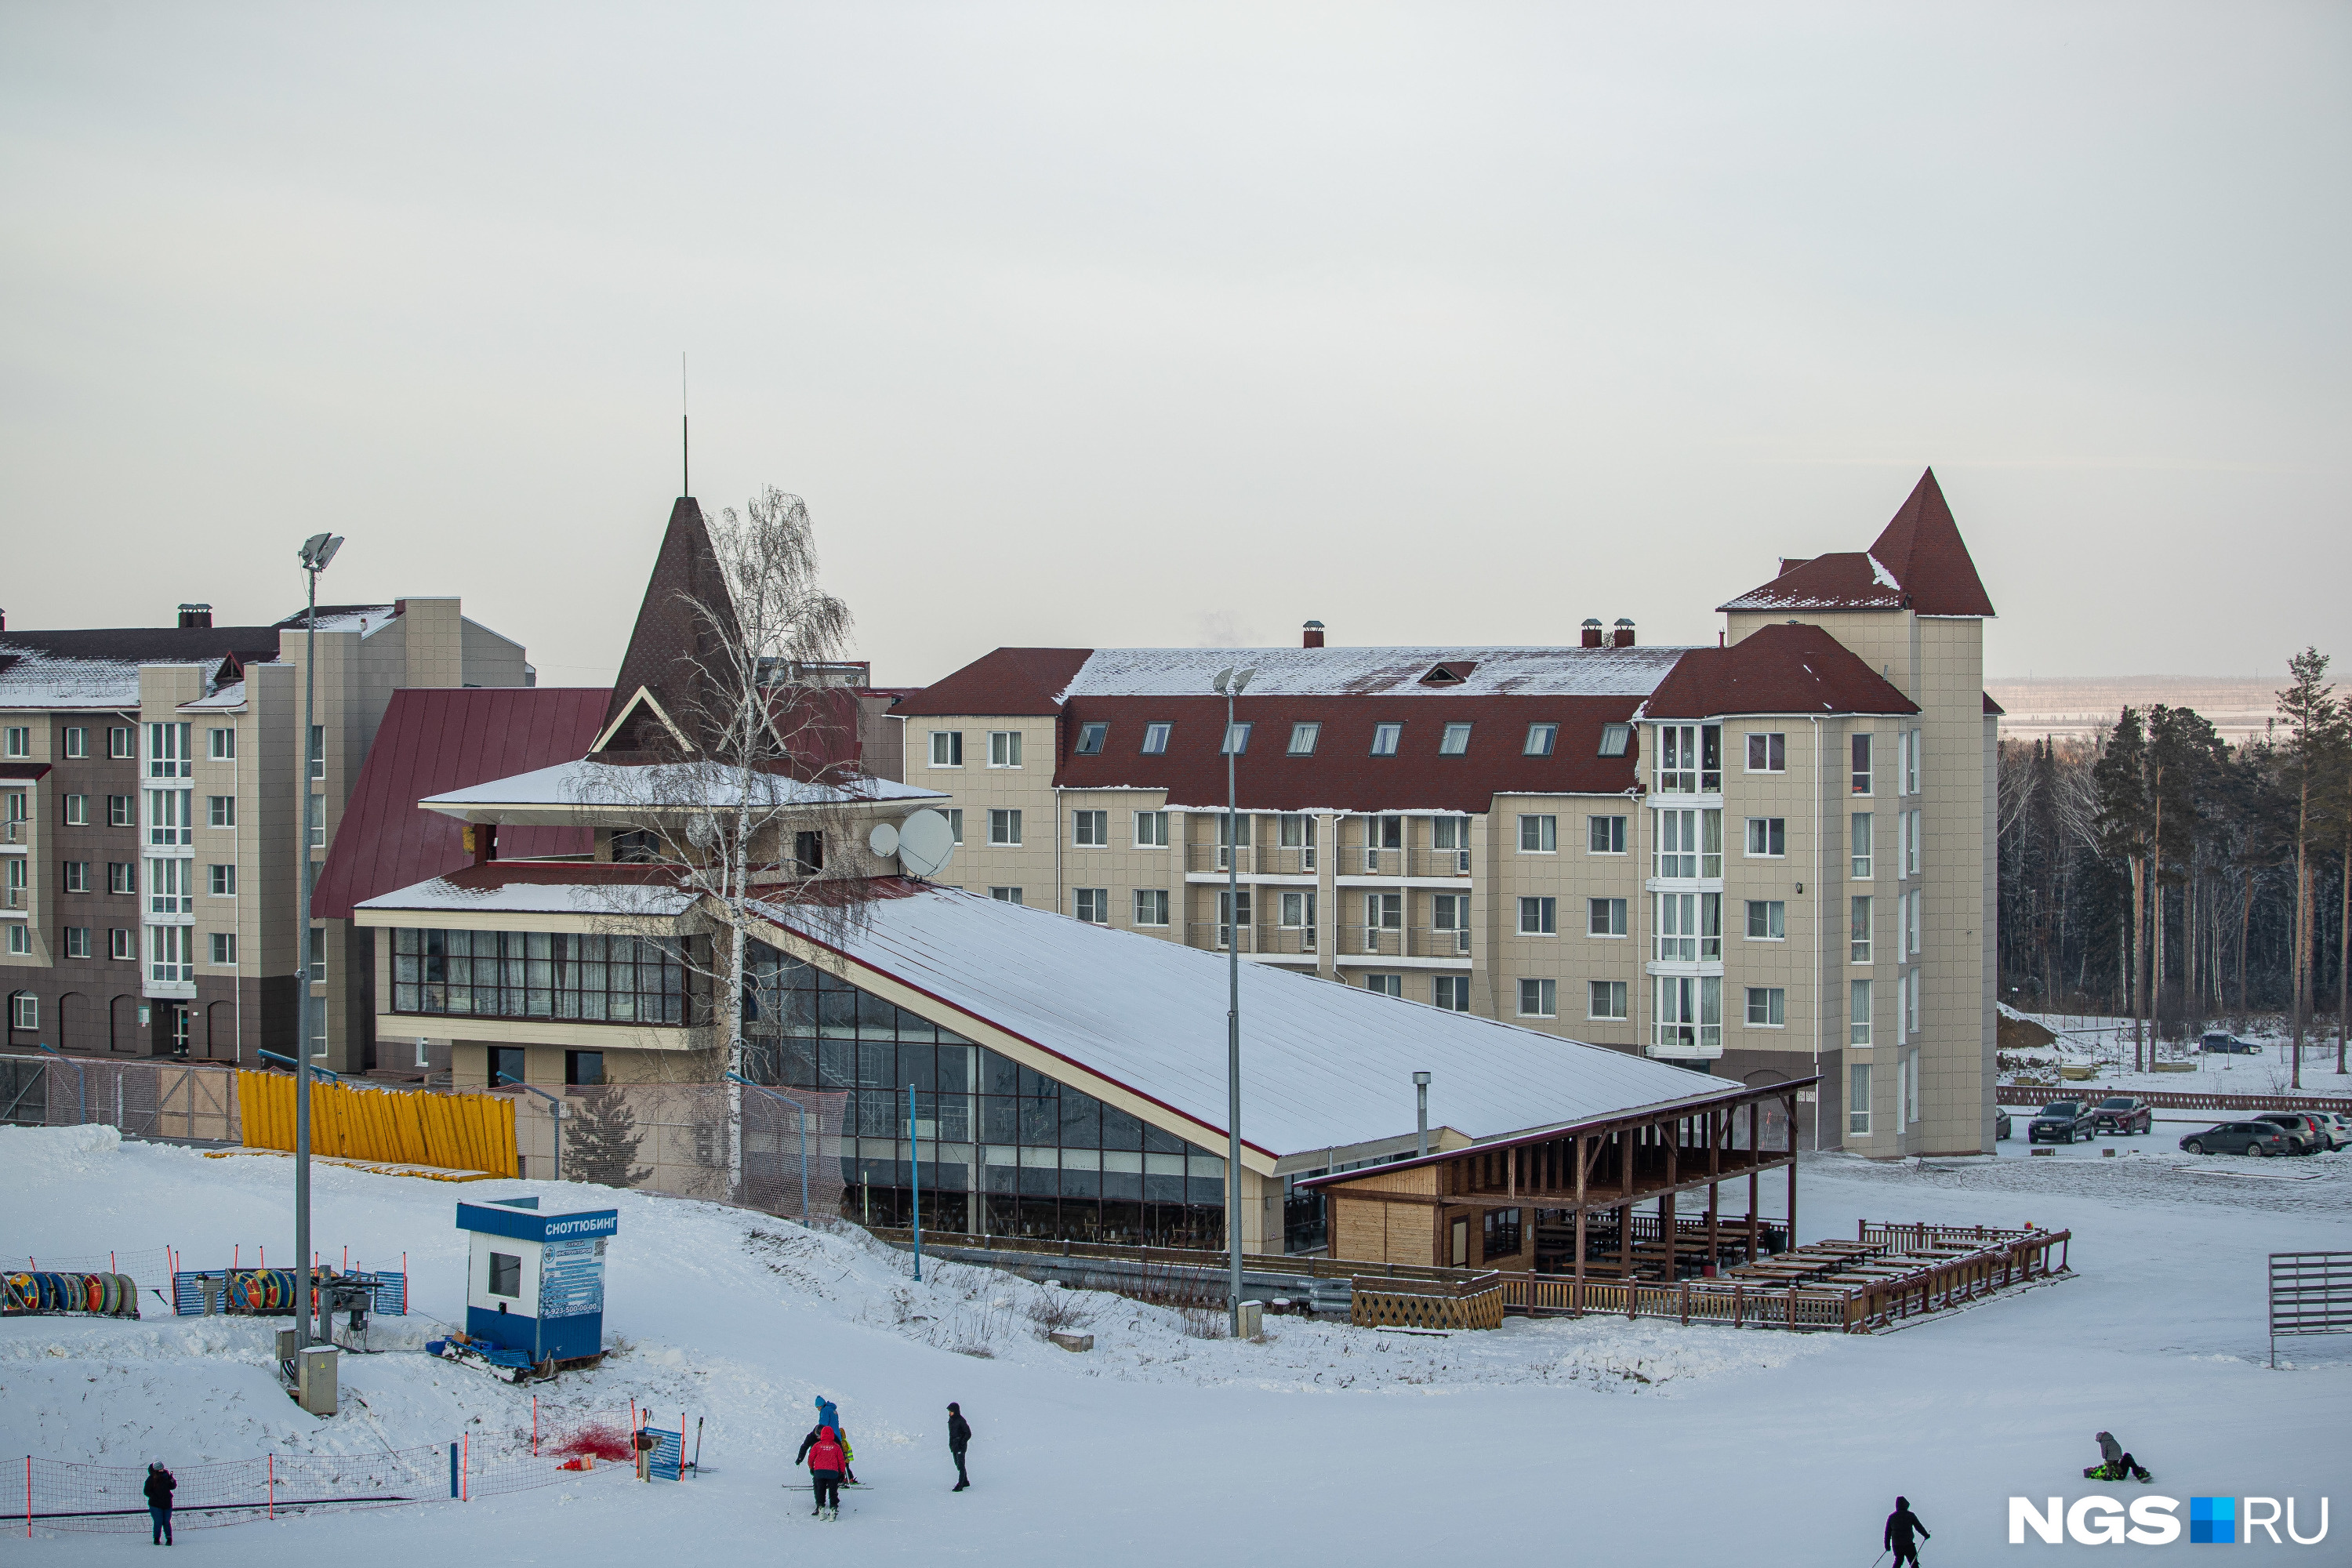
(1006, 896)
(77, 741)
(1911, 769)
(220, 746)
(1915, 914)
(1773, 741)
(1857, 1012)
(1450, 993)
(1914, 832)
(1150, 906)
(170, 816)
(1775, 920)
(20, 938)
(77, 811)
(1911, 1090)
(1093, 736)
(24, 1006)
(1544, 828)
(1090, 829)
(220, 811)
(223, 946)
(1611, 994)
(1151, 830)
(171, 956)
(76, 875)
(1004, 747)
(1538, 917)
(1385, 985)
(1859, 916)
(1763, 830)
(947, 749)
(1542, 740)
(1616, 740)
(1091, 905)
(121, 743)
(1386, 739)
(121, 944)
(1156, 738)
(1545, 997)
(220, 881)
(1453, 740)
(955, 824)
(1004, 826)
(1615, 913)
(1862, 763)
(170, 751)
(1304, 734)
(1614, 834)
(1857, 1099)
(1774, 1000)
(1860, 844)
(314, 818)
(1294, 910)
(77, 941)
(1237, 738)
(17, 741)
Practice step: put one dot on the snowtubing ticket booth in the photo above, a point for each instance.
(535, 1282)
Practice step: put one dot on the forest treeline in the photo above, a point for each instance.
(2159, 873)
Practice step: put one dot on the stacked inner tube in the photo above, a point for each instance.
(47, 1290)
(267, 1291)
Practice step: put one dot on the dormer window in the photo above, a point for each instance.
(1614, 738)
(1452, 672)
(1236, 738)
(1091, 739)
(1385, 738)
(1540, 739)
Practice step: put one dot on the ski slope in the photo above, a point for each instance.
(1594, 1436)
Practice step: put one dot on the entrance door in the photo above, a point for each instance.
(1459, 1252)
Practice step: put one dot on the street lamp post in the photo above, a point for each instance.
(317, 551)
(1230, 684)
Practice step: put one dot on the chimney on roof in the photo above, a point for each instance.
(1312, 636)
(1624, 638)
(1592, 631)
(192, 617)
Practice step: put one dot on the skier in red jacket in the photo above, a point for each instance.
(822, 1449)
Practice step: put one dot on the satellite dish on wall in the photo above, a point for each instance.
(925, 843)
(883, 841)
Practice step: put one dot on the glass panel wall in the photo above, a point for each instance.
(539, 974)
(1004, 1149)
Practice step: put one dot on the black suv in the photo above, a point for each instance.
(2061, 1122)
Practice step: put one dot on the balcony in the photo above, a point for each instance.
(1361, 860)
(1256, 860)
(1404, 941)
(1268, 942)
(15, 898)
(15, 830)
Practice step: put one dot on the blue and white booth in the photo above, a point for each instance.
(535, 1282)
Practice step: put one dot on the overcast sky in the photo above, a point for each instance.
(1118, 324)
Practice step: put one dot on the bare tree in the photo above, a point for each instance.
(747, 790)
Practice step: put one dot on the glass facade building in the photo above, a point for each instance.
(1003, 1148)
(541, 974)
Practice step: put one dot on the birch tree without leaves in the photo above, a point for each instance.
(749, 797)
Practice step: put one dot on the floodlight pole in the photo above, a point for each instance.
(1231, 683)
(317, 551)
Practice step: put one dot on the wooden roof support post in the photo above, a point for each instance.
(1755, 1177)
(1580, 1163)
(1666, 1199)
(1791, 1104)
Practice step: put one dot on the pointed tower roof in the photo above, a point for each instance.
(656, 691)
(1919, 563)
(1922, 547)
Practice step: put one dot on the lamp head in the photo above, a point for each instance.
(1421, 1080)
(1242, 681)
(320, 549)
(1224, 676)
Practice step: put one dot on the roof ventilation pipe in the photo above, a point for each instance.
(1312, 634)
(1592, 631)
(1624, 638)
(196, 617)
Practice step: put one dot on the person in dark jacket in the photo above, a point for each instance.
(161, 1483)
(822, 1449)
(959, 1439)
(1900, 1527)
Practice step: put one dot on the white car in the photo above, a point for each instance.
(2338, 1126)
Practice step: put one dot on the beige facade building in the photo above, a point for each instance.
(1770, 858)
(155, 790)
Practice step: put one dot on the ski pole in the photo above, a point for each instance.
(698, 1444)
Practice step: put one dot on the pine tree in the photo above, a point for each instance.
(2124, 832)
(602, 1140)
(2312, 715)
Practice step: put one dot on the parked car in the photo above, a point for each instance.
(1999, 1126)
(2259, 1137)
(2061, 1122)
(2303, 1131)
(2229, 1045)
(2339, 1126)
(2124, 1113)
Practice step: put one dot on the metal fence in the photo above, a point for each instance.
(143, 1099)
(2169, 1100)
(680, 1139)
(2311, 1293)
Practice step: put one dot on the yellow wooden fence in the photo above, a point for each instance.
(407, 1127)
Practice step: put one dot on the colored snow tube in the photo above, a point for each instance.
(19, 1294)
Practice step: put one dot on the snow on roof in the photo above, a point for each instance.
(1376, 671)
(595, 897)
(230, 696)
(590, 784)
(34, 680)
(1323, 1065)
(368, 619)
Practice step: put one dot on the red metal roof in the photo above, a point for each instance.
(1794, 667)
(438, 738)
(1918, 562)
(1009, 680)
(1992, 709)
(1342, 775)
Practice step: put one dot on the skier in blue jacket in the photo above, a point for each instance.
(828, 1415)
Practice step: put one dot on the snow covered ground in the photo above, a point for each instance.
(1595, 1437)
(2090, 1040)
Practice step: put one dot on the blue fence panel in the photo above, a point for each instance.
(665, 1461)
